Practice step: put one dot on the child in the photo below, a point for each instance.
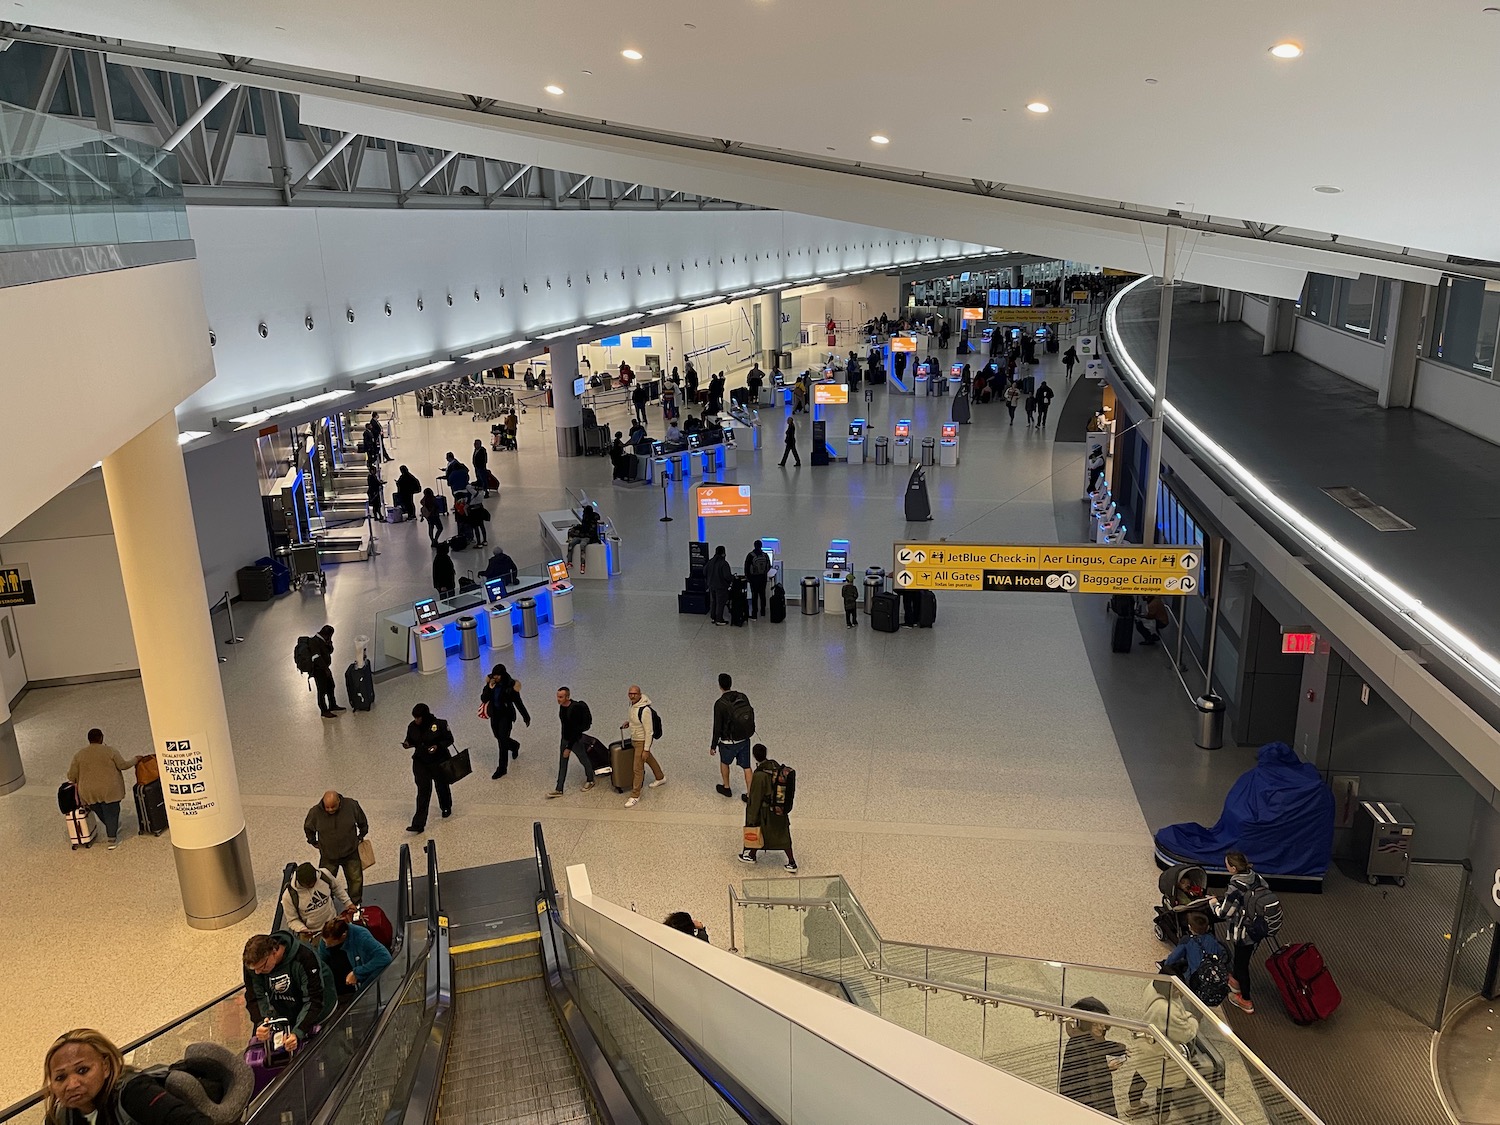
(851, 602)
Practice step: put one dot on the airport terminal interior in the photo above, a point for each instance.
(1127, 678)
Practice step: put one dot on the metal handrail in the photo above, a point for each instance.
(1181, 991)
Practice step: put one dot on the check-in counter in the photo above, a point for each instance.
(396, 629)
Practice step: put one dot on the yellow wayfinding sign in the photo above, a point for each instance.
(1031, 316)
(1006, 568)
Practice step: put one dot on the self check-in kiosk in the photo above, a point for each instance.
(901, 446)
(499, 613)
(835, 567)
(924, 379)
(948, 444)
(857, 441)
(560, 588)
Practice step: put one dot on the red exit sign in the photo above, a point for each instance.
(1299, 644)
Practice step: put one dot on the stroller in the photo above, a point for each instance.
(1170, 923)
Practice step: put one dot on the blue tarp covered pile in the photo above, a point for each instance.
(1280, 814)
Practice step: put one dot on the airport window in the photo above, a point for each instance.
(1466, 325)
(1356, 303)
(1317, 298)
(1173, 523)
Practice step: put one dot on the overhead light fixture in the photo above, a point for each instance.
(1039, 107)
(577, 328)
(190, 435)
(1328, 189)
(555, 91)
(1287, 50)
(612, 321)
(702, 301)
(485, 353)
(834, 276)
(780, 285)
(665, 309)
(245, 421)
(413, 373)
(743, 293)
(880, 139)
(632, 54)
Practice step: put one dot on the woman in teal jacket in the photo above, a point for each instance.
(365, 955)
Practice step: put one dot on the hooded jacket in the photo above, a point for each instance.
(640, 723)
(367, 957)
(1174, 1019)
(307, 908)
(300, 989)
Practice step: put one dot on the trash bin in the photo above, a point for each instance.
(810, 595)
(562, 604)
(612, 554)
(929, 451)
(873, 585)
(528, 617)
(878, 572)
(882, 450)
(431, 657)
(468, 638)
(1210, 722)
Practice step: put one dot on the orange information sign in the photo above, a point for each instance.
(903, 344)
(830, 394)
(972, 314)
(723, 500)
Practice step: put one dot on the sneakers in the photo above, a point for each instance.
(1234, 986)
(587, 785)
(657, 782)
(1138, 1109)
(113, 843)
(1242, 1004)
(723, 791)
(630, 804)
(746, 857)
(792, 867)
(554, 793)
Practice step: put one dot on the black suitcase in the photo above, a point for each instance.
(598, 754)
(359, 686)
(739, 602)
(426, 410)
(150, 808)
(690, 601)
(926, 609)
(256, 583)
(1122, 636)
(885, 612)
(695, 584)
(776, 605)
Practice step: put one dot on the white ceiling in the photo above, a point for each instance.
(1391, 101)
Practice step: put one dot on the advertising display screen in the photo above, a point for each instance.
(723, 500)
(427, 610)
(830, 394)
(837, 558)
(557, 572)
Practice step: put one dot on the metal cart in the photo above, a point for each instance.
(307, 566)
(1383, 831)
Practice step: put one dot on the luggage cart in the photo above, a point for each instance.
(306, 563)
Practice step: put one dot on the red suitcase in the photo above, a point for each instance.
(378, 923)
(1306, 986)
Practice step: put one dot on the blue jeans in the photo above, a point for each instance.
(109, 815)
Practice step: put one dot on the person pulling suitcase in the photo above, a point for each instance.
(644, 727)
(575, 718)
(95, 772)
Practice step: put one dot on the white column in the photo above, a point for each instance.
(567, 408)
(158, 546)
(1159, 405)
(675, 356)
(1403, 335)
(12, 773)
(770, 329)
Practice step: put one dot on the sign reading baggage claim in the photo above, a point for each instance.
(1089, 569)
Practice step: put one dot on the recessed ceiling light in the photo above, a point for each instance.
(1287, 50)
(1328, 189)
(691, 26)
(832, 149)
(1150, 82)
(589, 72)
(632, 54)
(880, 139)
(555, 91)
(968, 120)
(1038, 107)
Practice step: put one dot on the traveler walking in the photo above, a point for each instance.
(319, 662)
(642, 722)
(407, 487)
(851, 601)
(285, 980)
(429, 739)
(1044, 397)
(444, 575)
(772, 791)
(1253, 913)
(95, 771)
(1070, 357)
(432, 512)
(500, 702)
(480, 459)
(791, 444)
(734, 726)
(1089, 1060)
(335, 826)
(1012, 400)
(312, 897)
(575, 718)
(720, 579)
(758, 575)
(1030, 409)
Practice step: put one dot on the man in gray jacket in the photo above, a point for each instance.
(335, 826)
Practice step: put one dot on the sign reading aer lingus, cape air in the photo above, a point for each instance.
(1047, 569)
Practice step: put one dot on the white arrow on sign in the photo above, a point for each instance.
(1189, 560)
(904, 578)
(1189, 583)
(1070, 582)
(907, 557)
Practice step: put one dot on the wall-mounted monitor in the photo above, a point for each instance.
(830, 394)
(579, 386)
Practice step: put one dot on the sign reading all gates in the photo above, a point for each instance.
(1047, 569)
(723, 500)
(15, 585)
(1032, 316)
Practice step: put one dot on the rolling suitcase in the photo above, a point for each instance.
(359, 685)
(378, 923)
(1122, 635)
(150, 808)
(81, 828)
(1306, 986)
(739, 603)
(926, 609)
(885, 612)
(622, 765)
(776, 605)
(598, 754)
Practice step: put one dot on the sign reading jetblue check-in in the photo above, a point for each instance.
(15, 585)
(1002, 568)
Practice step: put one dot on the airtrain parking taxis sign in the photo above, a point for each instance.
(1004, 568)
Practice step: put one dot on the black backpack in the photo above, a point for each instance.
(783, 790)
(760, 564)
(742, 716)
(1211, 982)
(302, 656)
(655, 723)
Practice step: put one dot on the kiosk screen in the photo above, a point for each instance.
(494, 590)
(903, 428)
(557, 572)
(950, 431)
(427, 611)
(956, 370)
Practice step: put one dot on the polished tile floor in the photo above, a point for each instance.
(966, 780)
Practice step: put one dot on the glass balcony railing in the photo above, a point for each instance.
(1016, 1013)
(62, 184)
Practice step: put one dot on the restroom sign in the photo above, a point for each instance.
(187, 777)
(15, 585)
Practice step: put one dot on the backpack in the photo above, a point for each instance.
(1262, 910)
(1211, 982)
(302, 656)
(783, 790)
(742, 716)
(760, 564)
(655, 723)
